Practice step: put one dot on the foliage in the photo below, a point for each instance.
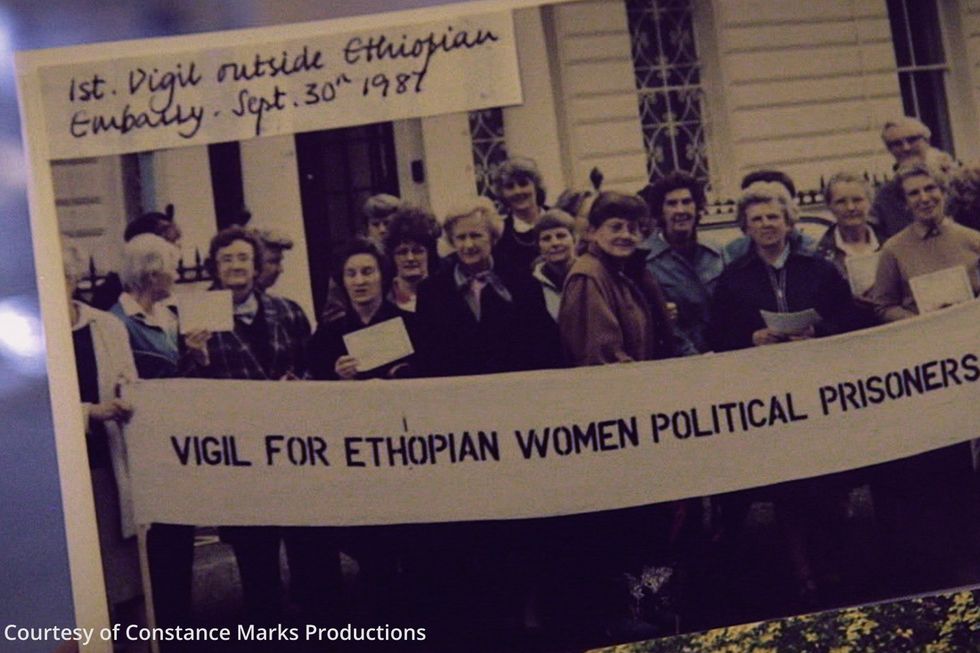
(942, 623)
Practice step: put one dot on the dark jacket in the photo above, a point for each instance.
(613, 312)
(517, 251)
(744, 289)
(327, 344)
(510, 336)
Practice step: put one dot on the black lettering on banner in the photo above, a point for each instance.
(208, 450)
(857, 394)
(969, 363)
(606, 435)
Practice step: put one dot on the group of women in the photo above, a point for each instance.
(537, 288)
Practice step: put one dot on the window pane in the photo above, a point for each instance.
(900, 33)
(927, 40)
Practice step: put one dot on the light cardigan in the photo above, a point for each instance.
(114, 363)
(909, 254)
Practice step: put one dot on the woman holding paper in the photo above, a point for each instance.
(849, 198)
(333, 352)
(148, 271)
(852, 243)
(774, 278)
(350, 347)
(932, 245)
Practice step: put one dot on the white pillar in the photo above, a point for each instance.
(271, 181)
(182, 177)
(531, 129)
(449, 171)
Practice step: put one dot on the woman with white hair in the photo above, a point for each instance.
(775, 277)
(482, 315)
(149, 268)
(148, 272)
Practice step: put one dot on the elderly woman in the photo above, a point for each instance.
(103, 361)
(773, 276)
(853, 236)
(411, 246)
(556, 243)
(612, 311)
(147, 275)
(849, 198)
(935, 485)
(931, 243)
(267, 343)
(482, 315)
(363, 276)
(148, 269)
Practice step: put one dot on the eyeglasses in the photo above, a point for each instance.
(908, 140)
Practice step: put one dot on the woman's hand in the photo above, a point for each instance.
(805, 334)
(346, 367)
(766, 337)
(114, 410)
(672, 312)
(197, 343)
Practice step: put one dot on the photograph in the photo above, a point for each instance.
(441, 228)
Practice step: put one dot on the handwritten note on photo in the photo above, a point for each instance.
(216, 94)
(379, 344)
(209, 310)
(790, 323)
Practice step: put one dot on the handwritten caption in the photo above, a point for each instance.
(156, 100)
(327, 81)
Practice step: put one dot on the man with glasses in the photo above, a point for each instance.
(907, 139)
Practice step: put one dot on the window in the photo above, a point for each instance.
(668, 81)
(922, 66)
(489, 147)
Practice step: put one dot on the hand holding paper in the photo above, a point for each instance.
(377, 345)
(790, 323)
(205, 311)
(940, 289)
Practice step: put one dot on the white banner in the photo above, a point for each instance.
(552, 442)
(210, 95)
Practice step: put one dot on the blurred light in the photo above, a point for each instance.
(13, 166)
(21, 337)
(6, 43)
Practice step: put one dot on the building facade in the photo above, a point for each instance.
(633, 88)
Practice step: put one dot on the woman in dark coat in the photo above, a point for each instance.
(362, 275)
